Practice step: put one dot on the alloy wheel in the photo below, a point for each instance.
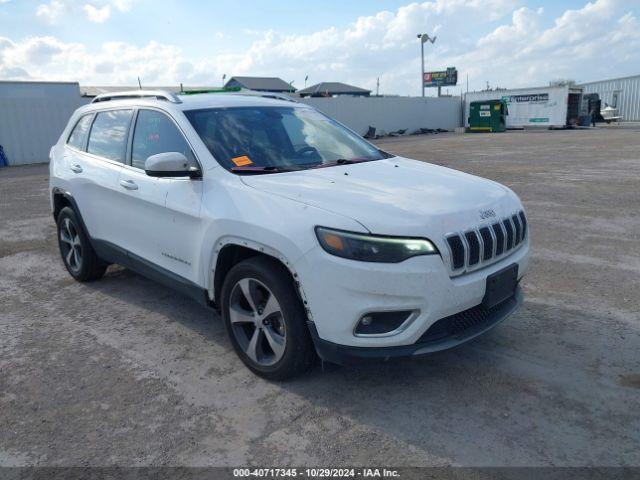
(257, 322)
(70, 245)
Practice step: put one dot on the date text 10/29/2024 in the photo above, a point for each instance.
(316, 472)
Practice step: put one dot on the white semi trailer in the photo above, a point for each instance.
(549, 107)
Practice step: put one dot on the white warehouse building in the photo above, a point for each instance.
(622, 94)
(32, 117)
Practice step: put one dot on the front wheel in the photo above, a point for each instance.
(265, 319)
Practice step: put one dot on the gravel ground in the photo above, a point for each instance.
(126, 372)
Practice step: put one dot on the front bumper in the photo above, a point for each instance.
(337, 292)
(443, 334)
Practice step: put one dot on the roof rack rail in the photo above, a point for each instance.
(157, 94)
(241, 91)
(210, 90)
(272, 95)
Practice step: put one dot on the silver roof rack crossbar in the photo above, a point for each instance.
(157, 94)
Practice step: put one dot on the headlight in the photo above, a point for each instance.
(372, 248)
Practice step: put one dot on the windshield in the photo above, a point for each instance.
(278, 138)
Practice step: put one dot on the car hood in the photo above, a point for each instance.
(395, 196)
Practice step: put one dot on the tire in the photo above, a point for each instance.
(256, 328)
(78, 255)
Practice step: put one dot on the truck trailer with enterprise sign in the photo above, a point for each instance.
(549, 107)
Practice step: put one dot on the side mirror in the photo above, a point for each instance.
(170, 164)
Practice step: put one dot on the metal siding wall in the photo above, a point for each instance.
(32, 117)
(628, 99)
(391, 113)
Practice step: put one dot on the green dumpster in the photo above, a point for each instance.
(488, 116)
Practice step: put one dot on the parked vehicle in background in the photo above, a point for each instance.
(610, 114)
(306, 237)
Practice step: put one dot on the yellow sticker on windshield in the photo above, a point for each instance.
(241, 161)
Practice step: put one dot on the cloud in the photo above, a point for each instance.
(584, 44)
(51, 11)
(97, 15)
(13, 73)
(122, 5)
(98, 11)
(518, 46)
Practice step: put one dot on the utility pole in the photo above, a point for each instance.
(423, 38)
(422, 62)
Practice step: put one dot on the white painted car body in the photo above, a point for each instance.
(181, 224)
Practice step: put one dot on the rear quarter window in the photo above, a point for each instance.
(78, 136)
(108, 137)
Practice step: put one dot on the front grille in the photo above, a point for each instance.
(523, 219)
(499, 233)
(475, 248)
(509, 229)
(516, 223)
(456, 247)
(487, 242)
(465, 322)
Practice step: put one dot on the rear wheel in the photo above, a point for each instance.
(265, 319)
(77, 253)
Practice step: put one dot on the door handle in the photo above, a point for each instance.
(76, 168)
(129, 184)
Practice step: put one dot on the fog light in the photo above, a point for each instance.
(381, 323)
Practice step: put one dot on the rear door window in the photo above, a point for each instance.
(108, 137)
(156, 133)
(78, 137)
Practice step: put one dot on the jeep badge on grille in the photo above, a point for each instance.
(490, 213)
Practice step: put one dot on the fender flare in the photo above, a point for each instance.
(260, 249)
(74, 205)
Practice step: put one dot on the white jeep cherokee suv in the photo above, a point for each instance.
(308, 238)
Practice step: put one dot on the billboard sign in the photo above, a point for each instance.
(445, 78)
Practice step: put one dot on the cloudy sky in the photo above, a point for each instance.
(507, 43)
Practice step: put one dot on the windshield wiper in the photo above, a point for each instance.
(343, 161)
(261, 170)
(255, 170)
(386, 154)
